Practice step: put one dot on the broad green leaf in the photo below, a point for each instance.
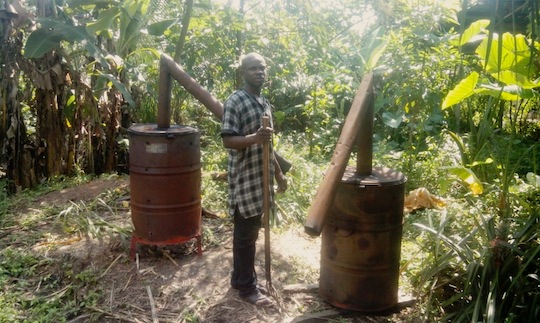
(131, 19)
(133, 8)
(515, 54)
(375, 55)
(507, 93)
(159, 28)
(474, 29)
(392, 120)
(374, 49)
(49, 36)
(511, 77)
(468, 176)
(105, 20)
(463, 90)
(40, 42)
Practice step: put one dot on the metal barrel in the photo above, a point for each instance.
(361, 241)
(165, 183)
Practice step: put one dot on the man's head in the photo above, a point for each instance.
(253, 69)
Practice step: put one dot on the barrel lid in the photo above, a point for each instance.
(152, 129)
(380, 176)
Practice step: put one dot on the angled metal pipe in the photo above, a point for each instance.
(168, 69)
(356, 127)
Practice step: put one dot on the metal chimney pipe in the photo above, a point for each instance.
(353, 129)
(364, 160)
(164, 96)
(168, 69)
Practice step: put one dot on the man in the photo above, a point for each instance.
(243, 135)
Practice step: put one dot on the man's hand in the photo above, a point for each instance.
(264, 134)
(240, 142)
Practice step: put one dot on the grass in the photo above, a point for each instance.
(35, 286)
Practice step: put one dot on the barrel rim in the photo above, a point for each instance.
(152, 129)
(380, 176)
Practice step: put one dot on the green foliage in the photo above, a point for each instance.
(487, 274)
(463, 90)
(52, 32)
(478, 255)
(303, 180)
(415, 70)
(464, 267)
(60, 290)
(505, 59)
(57, 297)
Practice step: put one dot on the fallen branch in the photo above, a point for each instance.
(112, 264)
(166, 254)
(113, 315)
(80, 318)
(127, 283)
(300, 288)
(152, 305)
(6, 233)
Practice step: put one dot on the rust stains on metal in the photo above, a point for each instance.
(361, 241)
(165, 183)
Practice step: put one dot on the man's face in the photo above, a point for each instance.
(254, 71)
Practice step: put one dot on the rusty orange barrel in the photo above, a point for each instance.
(361, 241)
(165, 183)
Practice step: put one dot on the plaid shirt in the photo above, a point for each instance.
(242, 116)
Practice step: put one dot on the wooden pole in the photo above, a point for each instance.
(327, 189)
(266, 202)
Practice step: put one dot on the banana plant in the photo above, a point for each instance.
(94, 39)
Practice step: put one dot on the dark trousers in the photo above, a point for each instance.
(245, 234)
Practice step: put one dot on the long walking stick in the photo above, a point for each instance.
(266, 203)
(266, 210)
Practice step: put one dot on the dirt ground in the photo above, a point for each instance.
(174, 284)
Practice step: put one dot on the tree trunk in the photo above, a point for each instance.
(113, 121)
(18, 153)
(186, 18)
(50, 128)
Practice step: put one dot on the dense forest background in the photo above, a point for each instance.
(77, 74)
(456, 110)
